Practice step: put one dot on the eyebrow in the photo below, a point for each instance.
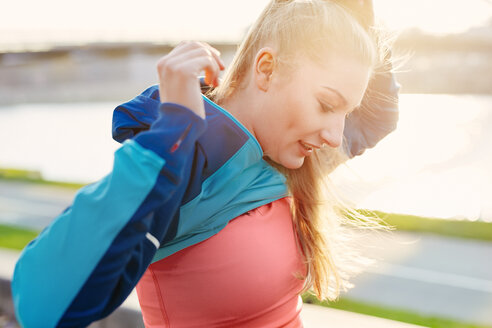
(341, 97)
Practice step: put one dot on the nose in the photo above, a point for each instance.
(332, 132)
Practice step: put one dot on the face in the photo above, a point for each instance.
(307, 109)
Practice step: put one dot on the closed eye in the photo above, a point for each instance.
(326, 107)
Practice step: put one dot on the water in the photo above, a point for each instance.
(66, 142)
(437, 163)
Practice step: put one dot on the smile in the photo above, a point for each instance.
(306, 149)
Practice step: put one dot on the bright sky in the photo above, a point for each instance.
(160, 20)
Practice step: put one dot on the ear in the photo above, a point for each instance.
(264, 66)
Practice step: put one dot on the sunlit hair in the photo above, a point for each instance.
(300, 30)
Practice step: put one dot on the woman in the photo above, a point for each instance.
(222, 196)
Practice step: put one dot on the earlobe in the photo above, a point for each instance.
(264, 67)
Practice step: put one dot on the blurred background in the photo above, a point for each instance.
(65, 65)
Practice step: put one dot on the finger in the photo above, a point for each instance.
(211, 71)
(196, 65)
(189, 54)
(211, 78)
(208, 46)
(216, 54)
(183, 55)
(182, 48)
(185, 46)
(194, 53)
(204, 49)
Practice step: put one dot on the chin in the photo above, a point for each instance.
(292, 164)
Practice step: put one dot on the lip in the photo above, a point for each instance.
(304, 151)
(311, 145)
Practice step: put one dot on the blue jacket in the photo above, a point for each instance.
(176, 180)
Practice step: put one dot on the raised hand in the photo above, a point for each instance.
(179, 70)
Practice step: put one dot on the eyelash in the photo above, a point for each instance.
(326, 108)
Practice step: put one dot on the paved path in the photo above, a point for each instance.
(32, 205)
(429, 274)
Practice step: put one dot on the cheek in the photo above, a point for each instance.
(300, 124)
(291, 158)
(301, 114)
(294, 113)
(286, 121)
(281, 120)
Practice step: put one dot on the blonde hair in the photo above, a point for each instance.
(308, 29)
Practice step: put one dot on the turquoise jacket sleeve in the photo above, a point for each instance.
(86, 262)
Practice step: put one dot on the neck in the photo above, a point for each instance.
(243, 107)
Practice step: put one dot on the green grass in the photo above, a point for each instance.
(454, 228)
(15, 237)
(390, 313)
(34, 177)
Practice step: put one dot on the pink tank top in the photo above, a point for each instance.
(243, 276)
